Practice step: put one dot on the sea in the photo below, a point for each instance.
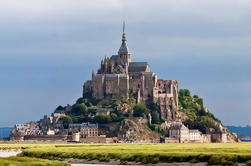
(245, 140)
(5, 131)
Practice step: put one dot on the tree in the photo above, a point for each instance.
(79, 109)
(60, 107)
(153, 107)
(91, 111)
(79, 101)
(198, 117)
(184, 92)
(117, 116)
(114, 117)
(140, 110)
(66, 120)
(101, 118)
(78, 119)
(155, 117)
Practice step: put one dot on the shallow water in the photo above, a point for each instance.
(14, 153)
(9, 153)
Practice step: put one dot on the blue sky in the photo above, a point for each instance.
(48, 48)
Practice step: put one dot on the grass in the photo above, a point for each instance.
(213, 153)
(25, 161)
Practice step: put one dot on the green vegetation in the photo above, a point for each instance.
(60, 107)
(79, 109)
(213, 153)
(66, 120)
(85, 110)
(198, 116)
(157, 129)
(102, 118)
(140, 110)
(154, 113)
(25, 161)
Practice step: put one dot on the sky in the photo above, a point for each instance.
(48, 48)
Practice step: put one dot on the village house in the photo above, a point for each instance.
(21, 130)
(103, 111)
(179, 132)
(85, 129)
(195, 136)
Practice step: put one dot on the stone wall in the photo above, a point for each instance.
(206, 138)
(46, 138)
(98, 86)
(98, 140)
(165, 95)
(171, 140)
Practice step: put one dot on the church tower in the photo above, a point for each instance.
(124, 52)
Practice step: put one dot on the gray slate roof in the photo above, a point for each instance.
(114, 57)
(136, 64)
(123, 48)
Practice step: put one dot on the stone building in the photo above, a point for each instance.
(103, 111)
(179, 132)
(20, 130)
(218, 135)
(118, 76)
(195, 136)
(85, 129)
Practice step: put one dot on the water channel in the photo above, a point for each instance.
(14, 153)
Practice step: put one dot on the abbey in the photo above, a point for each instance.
(120, 76)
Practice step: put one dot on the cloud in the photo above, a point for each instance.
(49, 47)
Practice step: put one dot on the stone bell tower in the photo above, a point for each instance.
(124, 52)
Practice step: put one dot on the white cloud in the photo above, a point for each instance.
(200, 42)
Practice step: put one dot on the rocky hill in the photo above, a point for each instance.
(125, 119)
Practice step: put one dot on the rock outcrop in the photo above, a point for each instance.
(136, 130)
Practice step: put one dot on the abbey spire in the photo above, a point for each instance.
(123, 48)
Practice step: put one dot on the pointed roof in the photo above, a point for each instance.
(123, 48)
